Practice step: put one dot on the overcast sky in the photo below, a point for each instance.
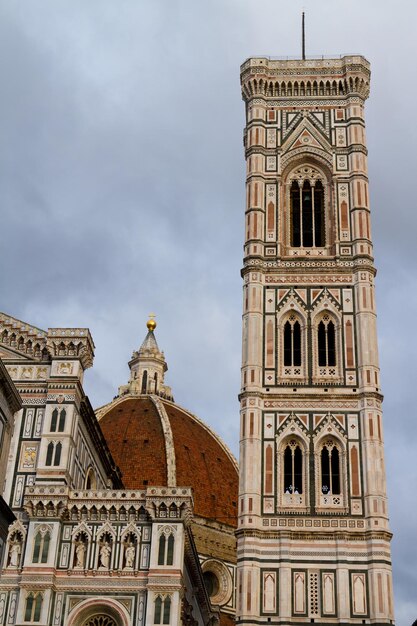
(122, 192)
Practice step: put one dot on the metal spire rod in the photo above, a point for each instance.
(303, 38)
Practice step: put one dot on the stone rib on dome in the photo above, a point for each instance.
(157, 442)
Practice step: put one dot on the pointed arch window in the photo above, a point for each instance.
(49, 453)
(170, 550)
(53, 453)
(58, 424)
(162, 612)
(54, 420)
(61, 425)
(307, 214)
(293, 469)
(33, 607)
(292, 342)
(161, 550)
(144, 382)
(41, 547)
(326, 342)
(166, 548)
(331, 475)
(330, 469)
(58, 450)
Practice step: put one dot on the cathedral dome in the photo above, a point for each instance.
(156, 442)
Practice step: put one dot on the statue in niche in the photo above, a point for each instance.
(80, 552)
(105, 552)
(130, 555)
(15, 552)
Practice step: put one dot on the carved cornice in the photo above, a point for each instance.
(170, 503)
(75, 343)
(308, 81)
(332, 534)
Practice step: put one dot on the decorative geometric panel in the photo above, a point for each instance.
(299, 593)
(100, 620)
(328, 593)
(269, 596)
(358, 587)
(314, 593)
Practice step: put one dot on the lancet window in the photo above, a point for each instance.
(330, 469)
(331, 485)
(58, 420)
(33, 607)
(144, 382)
(53, 453)
(166, 549)
(307, 214)
(326, 342)
(90, 479)
(292, 474)
(162, 610)
(293, 468)
(292, 342)
(41, 546)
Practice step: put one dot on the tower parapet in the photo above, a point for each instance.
(346, 76)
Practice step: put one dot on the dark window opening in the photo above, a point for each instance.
(326, 343)
(307, 215)
(211, 583)
(144, 382)
(292, 343)
(170, 551)
(49, 453)
(161, 551)
(330, 470)
(54, 420)
(293, 469)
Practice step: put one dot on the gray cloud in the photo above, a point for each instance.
(122, 179)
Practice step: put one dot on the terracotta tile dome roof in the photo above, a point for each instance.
(156, 442)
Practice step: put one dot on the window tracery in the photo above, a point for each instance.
(292, 342)
(331, 479)
(33, 607)
(307, 224)
(41, 545)
(326, 342)
(166, 547)
(100, 620)
(292, 470)
(162, 611)
(53, 453)
(292, 346)
(58, 420)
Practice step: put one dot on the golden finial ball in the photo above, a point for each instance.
(151, 324)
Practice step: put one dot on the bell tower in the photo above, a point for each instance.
(313, 532)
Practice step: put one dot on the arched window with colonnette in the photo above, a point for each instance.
(327, 349)
(331, 479)
(307, 227)
(292, 473)
(41, 544)
(292, 346)
(307, 208)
